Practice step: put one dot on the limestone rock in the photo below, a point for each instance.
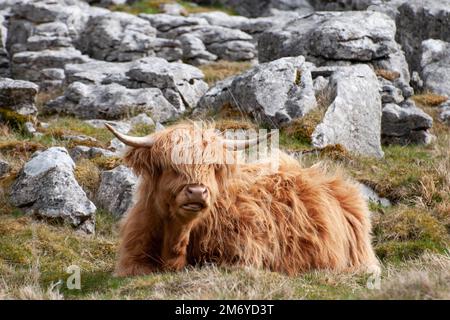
(46, 188)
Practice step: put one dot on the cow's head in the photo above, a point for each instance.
(185, 167)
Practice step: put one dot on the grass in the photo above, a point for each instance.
(35, 268)
(154, 6)
(222, 69)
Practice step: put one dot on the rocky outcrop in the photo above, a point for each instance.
(111, 101)
(210, 42)
(109, 90)
(435, 66)
(331, 35)
(116, 190)
(259, 8)
(419, 20)
(274, 92)
(405, 124)
(353, 119)
(118, 36)
(43, 37)
(46, 188)
(338, 38)
(18, 96)
(45, 67)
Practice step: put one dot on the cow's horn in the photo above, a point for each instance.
(131, 141)
(244, 144)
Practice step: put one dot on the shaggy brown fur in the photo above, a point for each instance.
(291, 221)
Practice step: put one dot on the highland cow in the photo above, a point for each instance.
(289, 220)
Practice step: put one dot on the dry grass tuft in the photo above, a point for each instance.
(216, 283)
(20, 147)
(427, 277)
(88, 176)
(229, 112)
(387, 74)
(429, 99)
(107, 163)
(221, 70)
(303, 128)
(336, 152)
(230, 124)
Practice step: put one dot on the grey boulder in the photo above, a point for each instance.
(139, 86)
(47, 189)
(111, 101)
(118, 36)
(274, 92)
(405, 124)
(331, 35)
(31, 65)
(116, 190)
(354, 117)
(84, 152)
(18, 95)
(183, 84)
(435, 66)
(419, 20)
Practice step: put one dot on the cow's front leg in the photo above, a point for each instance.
(140, 245)
(176, 240)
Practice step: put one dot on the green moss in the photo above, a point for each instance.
(222, 69)
(399, 251)
(408, 224)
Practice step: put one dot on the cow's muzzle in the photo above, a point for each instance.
(196, 197)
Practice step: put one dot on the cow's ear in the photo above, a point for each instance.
(140, 161)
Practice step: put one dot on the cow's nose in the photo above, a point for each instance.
(197, 192)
